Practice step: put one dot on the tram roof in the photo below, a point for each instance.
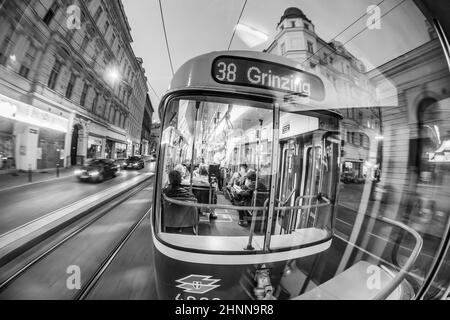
(196, 74)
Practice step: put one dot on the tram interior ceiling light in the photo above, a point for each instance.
(250, 36)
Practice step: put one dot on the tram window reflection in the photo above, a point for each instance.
(207, 141)
(223, 149)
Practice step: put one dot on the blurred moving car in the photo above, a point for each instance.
(135, 162)
(122, 163)
(97, 170)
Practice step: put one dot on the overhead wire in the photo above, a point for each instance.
(165, 36)
(238, 21)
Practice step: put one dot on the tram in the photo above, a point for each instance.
(247, 183)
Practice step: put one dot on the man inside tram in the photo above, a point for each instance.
(246, 194)
(237, 179)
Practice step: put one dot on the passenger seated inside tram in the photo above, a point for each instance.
(244, 196)
(175, 190)
(182, 170)
(202, 178)
(237, 179)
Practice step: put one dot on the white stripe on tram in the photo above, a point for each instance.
(242, 259)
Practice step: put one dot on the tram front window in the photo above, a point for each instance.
(217, 170)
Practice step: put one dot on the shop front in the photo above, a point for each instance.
(121, 151)
(50, 152)
(30, 138)
(7, 144)
(95, 147)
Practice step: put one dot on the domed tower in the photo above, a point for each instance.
(296, 38)
(294, 18)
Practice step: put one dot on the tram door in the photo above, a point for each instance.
(320, 174)
(289, 179)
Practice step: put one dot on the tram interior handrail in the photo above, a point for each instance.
(230, 207)
(386, 292)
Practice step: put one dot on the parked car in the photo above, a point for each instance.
(135, 163)
(97, 170)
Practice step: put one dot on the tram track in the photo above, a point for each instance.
(86, 290)
(70, 233)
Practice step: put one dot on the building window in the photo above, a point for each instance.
(28, 61)
(113, 39)
(6, 47)
(306, 26)
(98, 13)
(84, 94)
(94, 102)
(85, 43)
(51, 13)
(69, 90)
(293, 24)
(105, 31)
(54, 75)
(361, 140)
(283, 48)
(310, 47)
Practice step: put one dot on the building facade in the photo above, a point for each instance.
(155, 138)
(71, 88)
(418, 127)
(147, 127)
(297, 40)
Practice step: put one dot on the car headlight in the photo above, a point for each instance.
(94, 173)
(78, 172)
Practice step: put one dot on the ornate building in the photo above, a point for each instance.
(71, 88)
(147, 127)
(297, 40)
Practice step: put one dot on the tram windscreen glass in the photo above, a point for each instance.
(217, 172)
(267, 75)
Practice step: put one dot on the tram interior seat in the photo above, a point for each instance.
(351, 284)
(179, 216)
(205, 195)
(260, 219)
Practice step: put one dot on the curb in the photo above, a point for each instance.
(33, 183)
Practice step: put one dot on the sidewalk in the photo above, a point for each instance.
(21, 178)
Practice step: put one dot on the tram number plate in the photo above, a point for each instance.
(267, 75)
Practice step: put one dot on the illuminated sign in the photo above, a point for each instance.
(28, 114)
(267, 75)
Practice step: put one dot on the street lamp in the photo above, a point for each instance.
(112, 74)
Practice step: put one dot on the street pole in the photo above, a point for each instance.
(30, 178)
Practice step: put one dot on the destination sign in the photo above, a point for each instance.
(267, 75)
